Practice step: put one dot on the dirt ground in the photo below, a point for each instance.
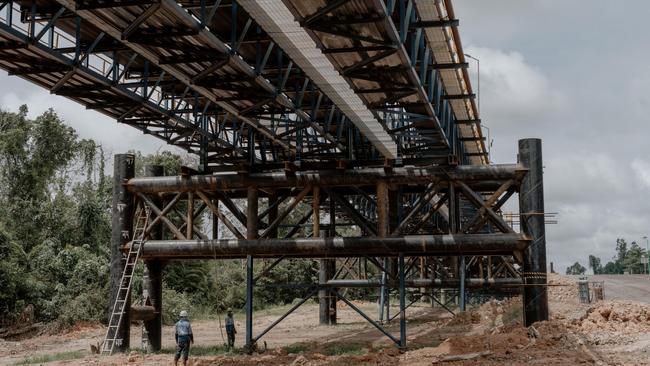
(612, 332)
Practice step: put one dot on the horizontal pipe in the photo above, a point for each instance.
(143, 312)
(435, 283)
(420, 245)
(358, 177)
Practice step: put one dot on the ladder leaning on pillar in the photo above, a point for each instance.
(135, 248)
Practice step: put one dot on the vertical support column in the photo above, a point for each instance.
(190, 216)
(251, 233)
(531, 211)
(327, 266)
(383, 231)
(121, 232)
(273, 214)
(154, 268)
(331, 271)
(402, 303)
(461, 278)
(454, 228)
(315, 206)
(215, 220)
(323, 294)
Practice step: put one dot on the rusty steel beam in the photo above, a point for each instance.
(421, 245)
(406, 175)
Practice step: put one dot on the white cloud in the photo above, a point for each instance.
(642, 171)
(114, 137)
(513, 87)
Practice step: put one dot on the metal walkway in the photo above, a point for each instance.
(347, 83)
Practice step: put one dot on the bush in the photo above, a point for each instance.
(173, 303)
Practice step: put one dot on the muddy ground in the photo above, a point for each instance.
(612, 332)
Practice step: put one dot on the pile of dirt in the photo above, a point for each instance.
(544, 342)
(465, 318)
(561, 288)
(492, 314)
(615, 316)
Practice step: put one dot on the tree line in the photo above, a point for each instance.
(55, 224)
(628, 259)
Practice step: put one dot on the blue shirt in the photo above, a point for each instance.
(184, 329)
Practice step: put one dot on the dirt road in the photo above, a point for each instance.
(625, 287)
(611, 332)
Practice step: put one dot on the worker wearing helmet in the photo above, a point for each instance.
(230, 329)
(184, 338)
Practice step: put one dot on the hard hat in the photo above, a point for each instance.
(183, 314)
(229, 310)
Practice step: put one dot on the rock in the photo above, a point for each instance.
(300, 360)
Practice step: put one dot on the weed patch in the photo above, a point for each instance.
(72, 355)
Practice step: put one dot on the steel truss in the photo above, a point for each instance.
(422, 229)
(206, 76)
(226, 91)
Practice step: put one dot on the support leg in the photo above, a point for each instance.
(154, 326)
(154, 268)
(251, 233)
(402, 303)
(531, 208)
(121, 232)
(461, 288)
(249, 303)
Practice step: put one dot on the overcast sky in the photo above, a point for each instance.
(573, 73)
(576, 74)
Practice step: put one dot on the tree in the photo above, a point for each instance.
(595, 265)
(612, 268)
(576, 269)
(632, 261)
(54, 220)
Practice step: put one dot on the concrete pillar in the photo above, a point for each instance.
(121, 232)
(154, 270)
(531, 210)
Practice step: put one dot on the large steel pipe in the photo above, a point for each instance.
(357, 177)
(435, 283)
(466, 244)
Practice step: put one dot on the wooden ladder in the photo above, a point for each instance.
(135, 248)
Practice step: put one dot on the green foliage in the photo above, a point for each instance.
(336, 349)
(576, 269)
(63, 356)
(627, 259)
(170, 162)
(14, 280)
(595, 265)
(54, 220)
(174, 303)
(55, 204)
(612, 268)
(298, 348)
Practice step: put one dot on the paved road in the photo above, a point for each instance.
(625, 287)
